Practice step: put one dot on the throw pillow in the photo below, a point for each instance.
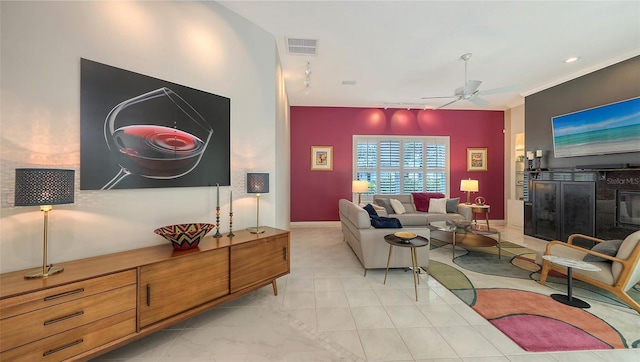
(386, 204)
(452, 205)
(381, 222)
(421, 199)
(371, 210)
(438, 206)
(397, 206)
(609, 247)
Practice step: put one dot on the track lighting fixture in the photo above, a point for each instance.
(307, 79)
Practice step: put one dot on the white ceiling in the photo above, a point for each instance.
(401, 51)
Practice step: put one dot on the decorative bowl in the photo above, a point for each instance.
(405, 235)
(184, 236)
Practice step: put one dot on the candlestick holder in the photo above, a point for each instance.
(529, 164)
(538, 163)
(230, 234)
(217, 234)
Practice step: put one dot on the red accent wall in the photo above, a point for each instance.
(315, 194)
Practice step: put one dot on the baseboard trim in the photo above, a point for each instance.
(313, 224)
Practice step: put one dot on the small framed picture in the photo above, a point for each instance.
(321, 158)
(476, 159)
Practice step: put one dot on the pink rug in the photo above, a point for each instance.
(540, 324)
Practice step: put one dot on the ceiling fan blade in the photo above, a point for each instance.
(510, 88)
(472, 86)
(439, 97)
(478, 101)
(446, 104)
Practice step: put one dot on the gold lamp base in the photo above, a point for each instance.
(40, 273)
(255, 230)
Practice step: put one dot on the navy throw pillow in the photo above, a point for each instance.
(371, 210)
(381, 222)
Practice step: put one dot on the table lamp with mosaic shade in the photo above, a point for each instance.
(44, 187)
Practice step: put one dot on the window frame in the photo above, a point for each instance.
(402, 171)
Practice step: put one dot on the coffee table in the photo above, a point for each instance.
(570, 264)
(467, 234)
(417, 242)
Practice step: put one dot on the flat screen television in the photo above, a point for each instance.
(612, 128)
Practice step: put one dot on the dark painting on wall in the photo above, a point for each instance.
(143, 132)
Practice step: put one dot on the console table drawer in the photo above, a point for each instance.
(45, 298)
(42, 323)
(75, 341)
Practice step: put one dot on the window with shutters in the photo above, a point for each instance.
(401, 164)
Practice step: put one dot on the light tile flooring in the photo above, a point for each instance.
(327, 310)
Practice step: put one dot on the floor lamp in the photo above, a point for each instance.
(257, 183)
(360, 186)
(44, 187)
(469, 186)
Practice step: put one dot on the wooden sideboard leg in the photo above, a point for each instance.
(275, 287)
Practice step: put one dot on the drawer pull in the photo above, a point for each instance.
(148, 295)
(64, 294)
(284, 253)
(52, 351)
(77, 314)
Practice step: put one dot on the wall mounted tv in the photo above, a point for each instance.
(612, 128)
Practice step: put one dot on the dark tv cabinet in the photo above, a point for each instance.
(561, 204)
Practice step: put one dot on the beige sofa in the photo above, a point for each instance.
(368, 242)
(413, 217)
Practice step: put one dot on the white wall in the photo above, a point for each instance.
(196, 44)
(515, 207)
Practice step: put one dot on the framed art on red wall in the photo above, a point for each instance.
(476, 159)
(321, 158)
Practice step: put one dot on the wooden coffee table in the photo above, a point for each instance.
(469, 235)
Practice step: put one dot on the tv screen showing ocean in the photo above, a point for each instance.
(613, 128)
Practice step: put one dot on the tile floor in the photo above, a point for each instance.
(327, 310)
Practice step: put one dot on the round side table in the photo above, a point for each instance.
(570, 263)
(417, 242)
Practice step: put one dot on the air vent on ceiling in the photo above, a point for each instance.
(302, 46)
(348, 82)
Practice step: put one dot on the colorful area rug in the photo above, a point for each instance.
(506, 292)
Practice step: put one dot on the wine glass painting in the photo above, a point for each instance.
(155, 150)
(152, 133)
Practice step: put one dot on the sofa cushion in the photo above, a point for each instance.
(371, 210)
(386, 203)
(437, 206)
(609, 247)
(421, 199)
(397, 206)
(381, 222)
(452, 205)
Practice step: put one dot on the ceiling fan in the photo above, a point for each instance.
(470, 91)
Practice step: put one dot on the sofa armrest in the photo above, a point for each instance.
(465, 211)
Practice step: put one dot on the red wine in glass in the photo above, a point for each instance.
(155, 150)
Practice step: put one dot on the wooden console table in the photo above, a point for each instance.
(101, 303)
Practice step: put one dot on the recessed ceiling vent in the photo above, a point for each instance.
(299, 46)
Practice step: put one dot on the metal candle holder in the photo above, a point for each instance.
(217, 234)
(230, 234)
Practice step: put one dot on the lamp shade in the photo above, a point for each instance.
(44, 186)
(257, 183)
(469, 185)
(360, 186)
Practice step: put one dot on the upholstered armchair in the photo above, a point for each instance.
(619, 271)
